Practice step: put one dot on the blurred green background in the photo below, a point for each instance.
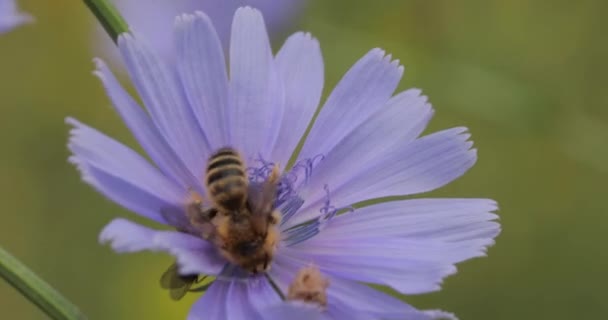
(527, 77)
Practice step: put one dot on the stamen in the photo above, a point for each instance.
(288, 201)
(260, 173)
(306, 166)
(306, 231)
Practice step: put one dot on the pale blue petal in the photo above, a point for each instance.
(194, 255)
(11, 17)
(291, 311)
(202, 69)
(125, 236)
(144, 130)
(252, 296)
(300, 66)
(406, 274)
(398, 123)
(433, 219)
(439, 315)
(256, 94)
(364, 89)
(238, 299)
(121, 174)
(155, 21)
(212, 305)
(162, 95)
(348, 299)
(261, 295)
(423, 165)
(363, 299)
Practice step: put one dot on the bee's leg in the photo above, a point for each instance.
(275, 174)
(200, 218)
(274, 218)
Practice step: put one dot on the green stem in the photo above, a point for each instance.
(109, 17)
(36, 290)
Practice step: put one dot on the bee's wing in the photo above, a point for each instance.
(170, 278)
(177, 284)
(176, 218)
(261, 198)
(263, 195)
(178, 293)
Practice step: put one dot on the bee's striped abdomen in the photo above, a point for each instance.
(226, 179)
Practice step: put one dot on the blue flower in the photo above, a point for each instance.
(153, 20)
(366, 143)
(11, 17)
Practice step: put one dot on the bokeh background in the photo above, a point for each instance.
(527, 77)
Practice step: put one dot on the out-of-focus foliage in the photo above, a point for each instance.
(527, 77)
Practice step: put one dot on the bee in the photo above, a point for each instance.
(309, 286)
(241, 221)
(178, 285)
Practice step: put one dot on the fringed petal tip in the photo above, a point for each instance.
(125, 236)
(440, 315)
(184, 19)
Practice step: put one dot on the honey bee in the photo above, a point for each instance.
(309, 286)
(241, 220)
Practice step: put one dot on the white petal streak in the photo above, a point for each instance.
(300, 66)
(143, 129)
(202, 68)
(256, 93)
(159, 88)
(362, 91)
(120, 173)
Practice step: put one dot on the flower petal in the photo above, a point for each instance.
(433, 219)
(11, 17)
(348, 299)
(362, 91)
(291, 311)
(425, 164)
(409, 265)
(399, 122)
(240, 299)
(159, 89)
(202, 69)
(256, 94)
(212, 305)
(144, 130)
(194, 255)
(120, 173)
(405, 274)
(126, 236)
(300, 66)
(364, 299)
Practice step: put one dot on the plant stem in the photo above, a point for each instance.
(109, 17)
(36, 290)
